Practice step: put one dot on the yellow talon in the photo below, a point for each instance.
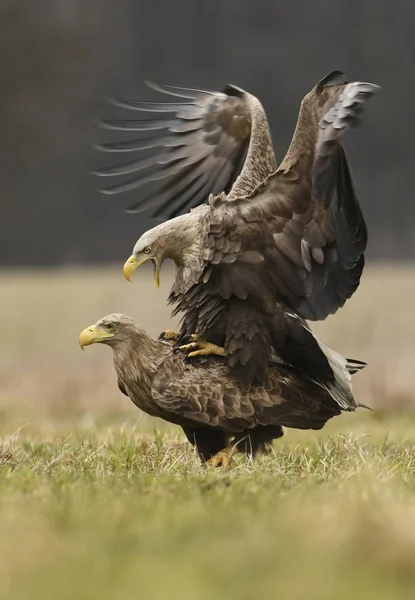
(169, 335)
(222, 458)
(188, 347)
(201, 348)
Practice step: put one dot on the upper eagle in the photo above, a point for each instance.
(274, 245)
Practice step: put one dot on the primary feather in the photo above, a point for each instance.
(202, 148)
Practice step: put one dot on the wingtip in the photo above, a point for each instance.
(333, 78)
(177, 91)
(109, 99)
(372, 88)
(112, 101)
(152, 85)
(106, 192)
(233, 90)
(96, 122)
(160, 88)
(103, 124)
(100, 148)
(136, 210)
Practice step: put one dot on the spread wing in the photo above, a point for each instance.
(198, 148)
(207, 395)
(300, 237)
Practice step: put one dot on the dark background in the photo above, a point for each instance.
(60, 58)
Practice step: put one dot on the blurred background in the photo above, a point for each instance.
(93, 501)
(59, 59)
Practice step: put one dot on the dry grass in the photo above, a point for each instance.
(97, 501)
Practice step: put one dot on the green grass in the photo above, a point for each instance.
(116, 513)
(99, 502)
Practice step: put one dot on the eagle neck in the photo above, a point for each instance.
(190, 262)
(138, 359)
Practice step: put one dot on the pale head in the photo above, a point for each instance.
(112, 330)
(168, 240)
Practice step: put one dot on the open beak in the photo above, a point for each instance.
(132, 263)
(156, 273)
(92, 335)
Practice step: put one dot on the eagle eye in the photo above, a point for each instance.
(146, 250)
(110, 326)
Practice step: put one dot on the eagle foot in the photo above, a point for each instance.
(201, 348)
(169, 335)
(222, 458)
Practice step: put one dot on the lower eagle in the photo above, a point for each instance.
(218, 414)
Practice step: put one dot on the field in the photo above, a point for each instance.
(99, 501)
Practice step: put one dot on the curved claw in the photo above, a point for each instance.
(189, 347)
(168, 335)
(222, 459)
(201, 348)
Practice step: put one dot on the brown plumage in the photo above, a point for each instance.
(206, 400)
(279, 245)
(198, 152)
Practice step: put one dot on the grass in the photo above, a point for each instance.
(99, 501)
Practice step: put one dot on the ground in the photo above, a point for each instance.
(99, 501)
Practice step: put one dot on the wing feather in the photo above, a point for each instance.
(223, 131)
(206, 394)
(305, 219)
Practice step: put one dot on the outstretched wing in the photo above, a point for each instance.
(199, 148)
(300, 237)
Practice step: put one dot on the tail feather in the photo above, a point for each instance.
(335, 378)
(343, 368)
(353, 365)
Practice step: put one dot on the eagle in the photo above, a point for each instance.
(218, 415)
(274, 245)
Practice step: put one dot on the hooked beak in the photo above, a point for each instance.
(132, 263)
(92, 335)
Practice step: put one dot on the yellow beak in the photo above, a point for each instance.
(92, 335)
(132, 263)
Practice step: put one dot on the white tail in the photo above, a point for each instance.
(343, 369)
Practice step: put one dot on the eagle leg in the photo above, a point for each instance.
(169, 335)
(201, 348)
(222, 458)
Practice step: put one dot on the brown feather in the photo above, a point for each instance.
(282, 241)
(220, 135)
(204, 397)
